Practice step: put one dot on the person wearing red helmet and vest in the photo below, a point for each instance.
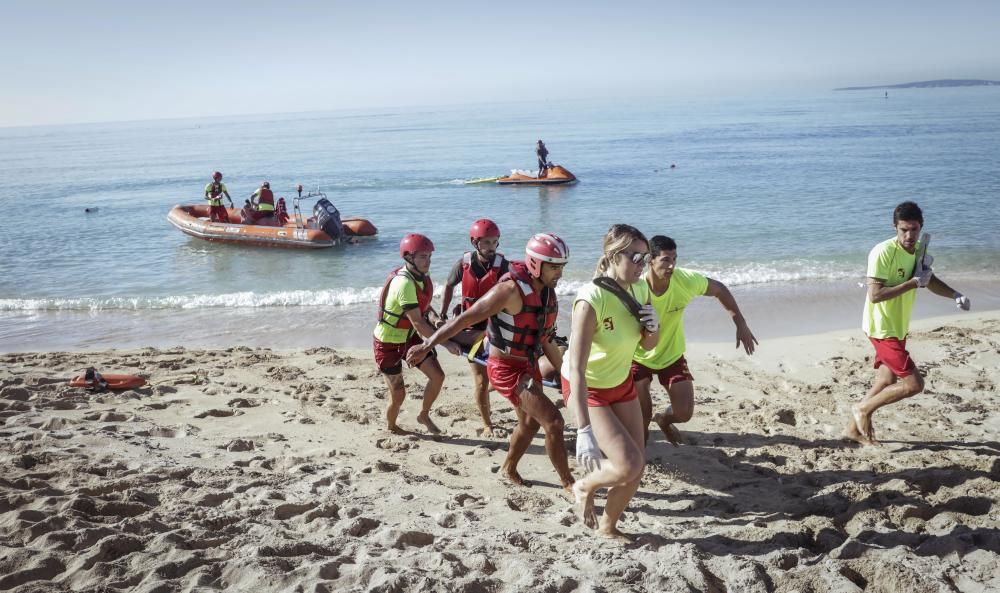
(404, 301)
(611, 317)
(522, 310)
(262, 201)
(478, 271)
(213, 193)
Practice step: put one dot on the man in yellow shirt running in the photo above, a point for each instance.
(671, 289)
(894, 273)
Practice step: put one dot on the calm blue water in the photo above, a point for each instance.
(766, 193)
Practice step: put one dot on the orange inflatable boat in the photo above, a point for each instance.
(556, 174)
(111, 381)
(312, 233)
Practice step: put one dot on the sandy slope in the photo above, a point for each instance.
(257, 470)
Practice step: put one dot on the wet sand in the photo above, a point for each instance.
(253, 469)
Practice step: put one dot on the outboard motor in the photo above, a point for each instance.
(328, 218)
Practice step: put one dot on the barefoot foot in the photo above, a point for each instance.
(514, 477)
(584, 506)
(863, 423)
(669, 430)
(425, 419)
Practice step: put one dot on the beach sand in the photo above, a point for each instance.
(257, 470)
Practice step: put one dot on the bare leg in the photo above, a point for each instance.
(854, 431)
(619, 433)
(619, 496)
(397, 393)
(520, 439)
(435, 380)
(862, 413)
(541, 412)
(482, 387)
(645, 404)
(680, 410)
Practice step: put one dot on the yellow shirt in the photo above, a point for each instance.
(684, 286)
(217, 201)
(891, 264)
(616, 337)
(401, 297)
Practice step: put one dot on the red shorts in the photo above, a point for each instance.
(218, 214)
(598, 398)
(389, 357)
(508, 376)
(675, 373)
(892, 353)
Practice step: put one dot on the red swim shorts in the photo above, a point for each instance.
(675, 373)
(892, 353)
(509, 375)
(218, 214)
(389, 357)
(598, 398)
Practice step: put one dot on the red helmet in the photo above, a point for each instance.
(483, 228)
(217, 176)
(413, 243)
(544, 247)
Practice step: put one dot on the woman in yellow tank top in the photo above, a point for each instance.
(608, 322)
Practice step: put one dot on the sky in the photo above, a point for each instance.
(93, 61)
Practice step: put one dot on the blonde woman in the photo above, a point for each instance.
(610, 318)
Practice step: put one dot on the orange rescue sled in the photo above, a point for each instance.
(114, 382)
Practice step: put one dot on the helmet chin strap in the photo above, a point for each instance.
(412, 267)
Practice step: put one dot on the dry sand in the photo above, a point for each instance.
(258, 470)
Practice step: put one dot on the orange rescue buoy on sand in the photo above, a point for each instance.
(114, 382)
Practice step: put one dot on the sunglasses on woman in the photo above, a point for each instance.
(639, 258)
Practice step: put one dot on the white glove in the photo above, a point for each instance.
(587, 453)
(924, 272)
(649, 319)
(962, 301)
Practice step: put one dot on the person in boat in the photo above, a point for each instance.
(522, 310)
(611, 317)
(213, 193)
(543, 159)
(671, 288)
(403, 304)
(262, 202)
(477, 271)
(897, 269)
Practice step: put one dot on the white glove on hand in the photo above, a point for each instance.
(587, 453)
(649, 319)
(962, 301)
(924, 272)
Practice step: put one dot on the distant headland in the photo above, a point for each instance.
(927, 84)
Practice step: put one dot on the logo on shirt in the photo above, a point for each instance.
(900, 272)
(609, 323)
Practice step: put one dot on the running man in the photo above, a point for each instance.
(405, 299)
(671, 289)
(894, 275)
(522, 310)
(477, 271)
(213, 193)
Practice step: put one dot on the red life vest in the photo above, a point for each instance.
(401, 321)
(265, 196)
(474, 288)
(523, 334)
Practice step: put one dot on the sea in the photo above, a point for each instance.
(779, 197)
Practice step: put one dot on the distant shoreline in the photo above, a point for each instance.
(926, 84)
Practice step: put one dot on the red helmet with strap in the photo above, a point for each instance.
(544, 247)
(217, 176)
(413, 243)
(483, 228)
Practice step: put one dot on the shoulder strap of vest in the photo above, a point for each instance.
(498, 260)
(624, 296)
